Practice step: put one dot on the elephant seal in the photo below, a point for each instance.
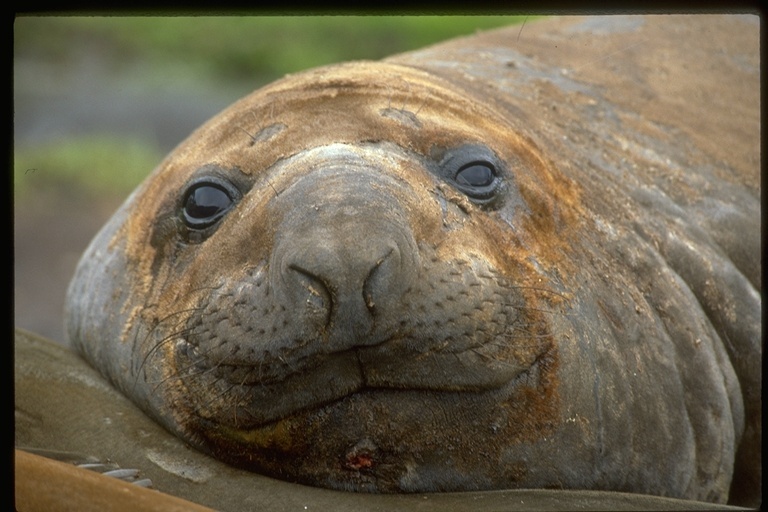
(526, 259)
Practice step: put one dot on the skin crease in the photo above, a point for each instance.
(359, 318)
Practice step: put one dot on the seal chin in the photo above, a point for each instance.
(373, 439)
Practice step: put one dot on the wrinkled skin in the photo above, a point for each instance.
(494, 263)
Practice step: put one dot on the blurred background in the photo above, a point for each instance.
(98, 101)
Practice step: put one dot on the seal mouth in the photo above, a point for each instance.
(247, 358)
(252, 398)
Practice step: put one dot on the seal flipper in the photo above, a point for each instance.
(104, 467)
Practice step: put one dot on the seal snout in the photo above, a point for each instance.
(342, 266)
(332, 282)
(338, 290)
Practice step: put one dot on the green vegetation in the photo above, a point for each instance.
(243, 46)
(90, 165)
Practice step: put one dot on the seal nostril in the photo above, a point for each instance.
(317, 298)
(377, 280)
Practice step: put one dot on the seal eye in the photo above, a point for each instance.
(478, 180)
(205, 204)
(476, 175)
(474, 170)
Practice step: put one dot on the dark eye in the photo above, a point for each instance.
(476, 174)
(205, 204)
(475, 171)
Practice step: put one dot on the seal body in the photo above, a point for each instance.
(494, 263)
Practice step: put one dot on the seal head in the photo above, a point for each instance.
(327, 284)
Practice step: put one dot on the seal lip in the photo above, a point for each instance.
(331, 378)
(242, 420)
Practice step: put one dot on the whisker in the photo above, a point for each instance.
(161, 342)
(405, 101)
(424, 102)
(179, 376)
(249, 134)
